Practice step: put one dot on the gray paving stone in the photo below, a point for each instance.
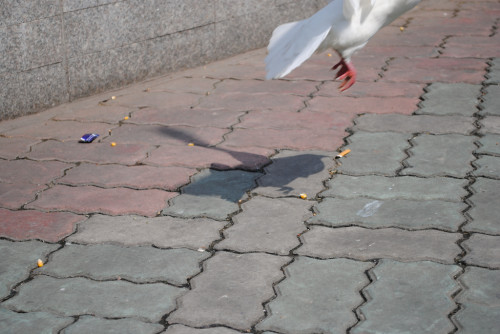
(493, 76)
(88, 324)
(212, 194)
(485, 207)
(491, 103)
(180, 329)
(402, 187)
(18, 259)
(490, 124)
(80, 296)
(137, 264)
(407, 214)
(409, 298)
(440, 155)
(364, 244)
(230, 291)
(267, 225)
(483, 250)
(490, 144)
(374, 153)
(487, 166)
(414, 124)
(163, 232)
(450, 99)
(311, 287)
(36, 322)
(480, 301)
(294, 173)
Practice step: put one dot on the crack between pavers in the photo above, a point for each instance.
(442, 46)
(384, 68)
(360, 317)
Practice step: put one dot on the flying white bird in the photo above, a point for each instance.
(343, 25)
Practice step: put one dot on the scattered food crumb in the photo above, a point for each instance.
(113, 97)
(303, 196)
(191, 144)
(402, 28)
(113, 144)
(40, 263)
(343, 153)
(125, 118)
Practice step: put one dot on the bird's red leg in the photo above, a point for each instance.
(346, 73)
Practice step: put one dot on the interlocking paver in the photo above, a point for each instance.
(414, 215)
(34, 322)
(60, 130)
(267, 225)
(491, 104)
(293, 173)
(298, 139)
(93, 113)
(440, 155)
(89, 324)
(187, 117)
(493, 76)
(165, 135)
(11, 148)
(389, 243)
(26, 171)
(487, 166)
(359, 105)
(257, 87)
(219, 157)
(480, 301)
(100, 153)
(490, 144)
(212, 194)
(414, 124)
(136, 177)
(409, 297)
(402, 187)
(90, 199)
(235, 301)
(383, 150)
(490, 124)
(81, 296)
(181, 329)
(450, 99)
(485, 203)
(483, 250)
(18, 259)
(15, 195)
(158, 99)
(381, 89)
(311, 287)
(136, 264)
(31, 224)
(164, 232)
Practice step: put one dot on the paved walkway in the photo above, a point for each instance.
(192, 222)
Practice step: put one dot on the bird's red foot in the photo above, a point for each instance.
(346, 73)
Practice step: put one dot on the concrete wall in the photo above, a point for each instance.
(54, 51)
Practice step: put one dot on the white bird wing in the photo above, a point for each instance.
(293, 43)
(357, 9)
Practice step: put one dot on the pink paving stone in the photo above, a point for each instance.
(161, 100)
(187, 117)
(361, 105)
(375, 89)
(27, 171)
(89, 199)
(298, 139)
(242, 102)
(137, 177)
(31, 224)
(11, 148)
(15, 195)
(97, 113)
(285, 87)
(471, 46)
(447, 70)
(183, 85)
(248, 158)
(126, 154)
(166, 135)
(282, 120)
(59, 130)
(223, 70)
(392, 36)
(398, 51)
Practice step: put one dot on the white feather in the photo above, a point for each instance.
(343, 25)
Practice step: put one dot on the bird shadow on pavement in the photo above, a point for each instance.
(226, 182)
